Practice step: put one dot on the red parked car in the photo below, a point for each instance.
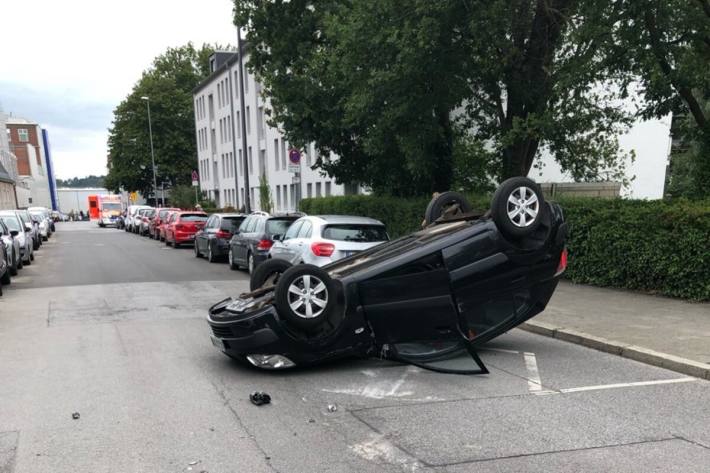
(182, 226)
(164, 224)
(160, 216)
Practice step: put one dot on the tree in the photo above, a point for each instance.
(385, 84)
(266, 203)
(88, 181)
(183, 196)
(168, 83)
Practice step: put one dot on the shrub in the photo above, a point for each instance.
(653, 246)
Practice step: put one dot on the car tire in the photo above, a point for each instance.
(445, 203)
(32, 256)
(268, 271)
(517, 207)
(316, 284)
(20, 263)
(250, 263)
(176, 245)
(167, 242)
(13, 269)
(6, 279)
(28, 262)
(210, 254)
(230, 257)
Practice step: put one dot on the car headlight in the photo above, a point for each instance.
(271, 362)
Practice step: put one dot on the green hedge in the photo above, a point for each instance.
(652, 246)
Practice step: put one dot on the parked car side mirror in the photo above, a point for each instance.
(14, 233)
(277, 237)
(28, 227)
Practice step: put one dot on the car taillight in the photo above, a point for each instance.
(563, 263)
(322, 249)
(223, 234)
(264, 244)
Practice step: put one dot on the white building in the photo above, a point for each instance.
(218, 129)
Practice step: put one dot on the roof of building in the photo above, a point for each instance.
(223, 66)
(5, 176)
(20, 121)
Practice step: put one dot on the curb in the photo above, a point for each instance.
(625, 350)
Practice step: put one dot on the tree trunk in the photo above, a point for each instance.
(442, 171)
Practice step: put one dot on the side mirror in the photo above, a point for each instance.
(14, 233)
(28, 227)
(277, 237)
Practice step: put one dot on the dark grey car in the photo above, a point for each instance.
(213, 240)
(251, 245)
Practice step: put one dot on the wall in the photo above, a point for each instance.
(71, 199)
(7, 196)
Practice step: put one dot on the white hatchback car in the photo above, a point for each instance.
(322, 239)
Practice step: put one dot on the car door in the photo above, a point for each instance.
(202, 235)
(285, 249)
(240, 246)
(301, 244)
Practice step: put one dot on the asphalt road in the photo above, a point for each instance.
(111, 325)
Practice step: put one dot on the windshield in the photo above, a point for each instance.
(108, 206)
(278, 226)
(193, 218)
(355, 232)
(11, 222)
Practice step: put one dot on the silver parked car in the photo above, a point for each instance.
(12, 220)
(322, 239)
(12, 243)
(45, 221)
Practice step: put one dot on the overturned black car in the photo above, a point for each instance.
(429, 298)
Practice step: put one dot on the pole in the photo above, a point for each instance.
(234, 140)
(152, 155)
(247, 198)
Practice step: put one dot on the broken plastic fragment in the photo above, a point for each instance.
(332, 408)
(258, 398)
(75, 415)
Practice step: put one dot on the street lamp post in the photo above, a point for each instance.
(152, 153)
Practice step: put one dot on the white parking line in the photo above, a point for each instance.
(534, 383)
(627, 385)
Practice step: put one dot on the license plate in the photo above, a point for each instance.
(217, 342)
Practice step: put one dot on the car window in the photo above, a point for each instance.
(3, 229)
(245, 224)
(278, 226)
(12, 223)
(172, 218)
(306, 230)
(193, 217)
(355, 232)
(231, 224)
(260, 225)
(163, 213)
(252, 224)
(210, 222)
(293, 230)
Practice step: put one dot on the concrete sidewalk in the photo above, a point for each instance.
(656, 330)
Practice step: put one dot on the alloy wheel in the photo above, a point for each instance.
(523, 206)
(307, 296)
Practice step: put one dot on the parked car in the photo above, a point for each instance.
(33, 226)
(322, 239)
(130, 214)
(429, 298)
(142, 220)
(164, 224)
(182, 227)
(4, 264)
(12, 242)
(155, 222)
(251, 244)
(212, 241)
(45, 214)
(14, 222)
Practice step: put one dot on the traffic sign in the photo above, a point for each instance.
(294, 160)
(195, 179)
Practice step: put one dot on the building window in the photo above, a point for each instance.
(327, 189)
(248, 118)
(23, 135)
(318, 192)
(239, 126)
(309, 191)
(278, 197)
(251, 162)
(241, 166)
(283, 153)
(308, 155)
(276, 154)
(246, 79)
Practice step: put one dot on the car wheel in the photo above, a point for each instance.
(13, 269)
(230, 260)
(305, 295)
(250, 263)
(175, 245)
(517, 207)
(32, 256)
(6, 277)
(20, 263)
(268, 273)
(446, 204)
(167, 242)
(210, 255)
(29, 261)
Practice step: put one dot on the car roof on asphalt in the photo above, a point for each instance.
(347, 219)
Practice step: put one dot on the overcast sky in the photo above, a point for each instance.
(67, 64)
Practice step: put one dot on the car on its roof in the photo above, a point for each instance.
(429, 298)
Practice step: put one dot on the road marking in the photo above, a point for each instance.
(627, 385)
(534, 383)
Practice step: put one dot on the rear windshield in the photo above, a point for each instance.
(11, 223)
(353, 232)
(231, 224)
(111, 206)
(193, 218)
(278, 226)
